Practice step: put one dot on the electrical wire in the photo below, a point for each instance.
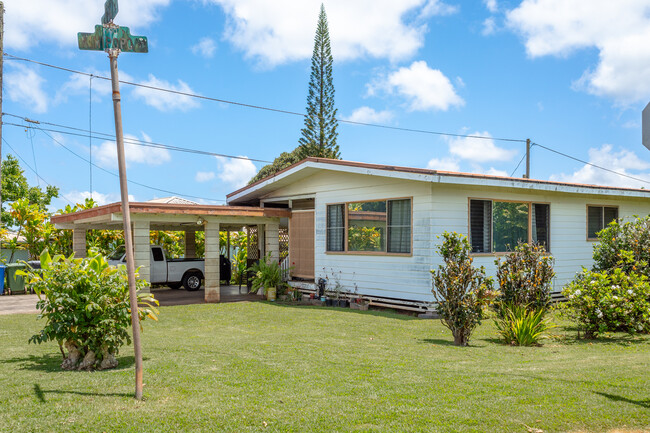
(590, 164)
(117, 175)
(520, 161)
(35, 172)
(105, 136)
(261, 107)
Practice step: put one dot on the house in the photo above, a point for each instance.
(374, 228)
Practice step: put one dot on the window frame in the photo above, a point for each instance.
(346, 251)
(602, 219)
(530, 204)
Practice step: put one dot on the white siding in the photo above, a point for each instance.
(438, 208)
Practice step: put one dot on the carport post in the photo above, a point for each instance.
(212, 277)
(79, 242)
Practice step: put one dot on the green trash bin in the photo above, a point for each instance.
(15, 283)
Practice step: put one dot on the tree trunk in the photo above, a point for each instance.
(460, 339)
(108, 360)
(89, 361)
(70, 363)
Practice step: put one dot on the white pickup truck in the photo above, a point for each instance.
(173, 272)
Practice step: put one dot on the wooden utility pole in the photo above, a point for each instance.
(113, 39)
(527, 176)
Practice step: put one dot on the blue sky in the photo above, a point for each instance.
(572, 76)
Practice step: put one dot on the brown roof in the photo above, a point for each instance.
(426, 171)
(167, 208)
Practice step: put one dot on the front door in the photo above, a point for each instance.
(301, 244)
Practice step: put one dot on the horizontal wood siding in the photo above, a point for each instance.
(438, 208)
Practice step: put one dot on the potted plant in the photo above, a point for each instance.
(267, 277)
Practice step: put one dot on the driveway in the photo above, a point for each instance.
(18, 304)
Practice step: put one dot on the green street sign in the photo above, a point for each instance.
(110, 10)
(108, 38)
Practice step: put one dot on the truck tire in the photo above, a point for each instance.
(192, 281)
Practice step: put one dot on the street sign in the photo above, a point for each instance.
(110, 10)
(108, 38)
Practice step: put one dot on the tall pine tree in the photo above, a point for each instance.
(319, 134)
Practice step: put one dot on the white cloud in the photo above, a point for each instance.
(369, 115)
(100, 198)
(78, 85)
(25, 86)
(166, 101)
(491, 5)
(235, 172)
(205, 47)
(622, 161)
(436, 7)
(283, 30)
(106, 153)
(423, 88)
(479, 149)
(619, 30)
(444, 164)
(204, 176)
(495, 172)
(33, 22)
(489, 26)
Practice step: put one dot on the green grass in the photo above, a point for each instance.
(236, 367)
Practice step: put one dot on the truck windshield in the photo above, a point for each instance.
(118, 253)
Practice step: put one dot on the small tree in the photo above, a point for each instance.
(525, 277)
(86, 305)
(461, 290)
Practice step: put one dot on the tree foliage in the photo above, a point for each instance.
(461, 290)
(15, 187)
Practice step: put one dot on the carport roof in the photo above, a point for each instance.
(111, 213)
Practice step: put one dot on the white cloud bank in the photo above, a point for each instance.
(25, 86)
(204, 176)
(166, 101)
(106, 153)
(100, 198)
(283, 30)
(422, 87)
(235, 172)
(205, 48)
(622, 161)
(619, 30)
(369, 115)
(479, 149)
(32, 22)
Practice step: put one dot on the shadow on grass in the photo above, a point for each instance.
(643, 403)
(40, 393)
(385, 313)
(51, 363)
(619, 339)
(441, 342)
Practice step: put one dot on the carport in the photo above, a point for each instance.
(189, 218)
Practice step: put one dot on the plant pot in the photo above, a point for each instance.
(362, 306)
(329, 302)
(343, 303)
(270, 293)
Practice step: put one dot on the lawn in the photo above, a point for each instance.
(264, 367)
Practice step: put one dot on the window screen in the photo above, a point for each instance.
(335, 227)
(540, 224)
(598, 217)
(399, 226)
(480, 225)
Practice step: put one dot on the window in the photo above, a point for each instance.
(382, 226)
(157, 255)
(598, 217)
(497, 226)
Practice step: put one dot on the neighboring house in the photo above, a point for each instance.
(376, 227)
(172, 200)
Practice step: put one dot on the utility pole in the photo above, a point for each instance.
(2, 55)
(527, 176)
(114, 39)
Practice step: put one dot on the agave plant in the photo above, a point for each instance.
(521, 326)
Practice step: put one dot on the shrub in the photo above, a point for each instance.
(461, 290)
(624, 245)
(525, 278)
(86, 305)
(267, 273)
(520, 325)
(609, 301)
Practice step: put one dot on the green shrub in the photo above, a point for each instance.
(461, 290)
(267, 273)
(86, 305)
(525, 277)
(624, 245)
(520, 325)
(608, 302)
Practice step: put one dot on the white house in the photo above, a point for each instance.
(375, 227)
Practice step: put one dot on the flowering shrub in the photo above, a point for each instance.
(625, 245)
(609, 301)
(525, 278)
(461, 290)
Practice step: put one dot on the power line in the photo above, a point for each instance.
(520, 161)
(116, 175)
(35, 172)
(261, 107)
(591, 164)
(135, 141)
